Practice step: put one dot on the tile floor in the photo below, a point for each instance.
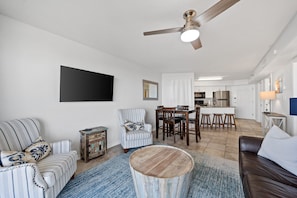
(216, 142)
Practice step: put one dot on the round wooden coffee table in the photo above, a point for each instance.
(161, 171)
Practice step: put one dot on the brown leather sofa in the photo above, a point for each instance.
(261, 177)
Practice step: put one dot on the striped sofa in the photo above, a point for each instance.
(47, 177)
(134, 138)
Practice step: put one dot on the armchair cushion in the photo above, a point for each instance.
(132, 126)
(55, 166)
(138, 135)
(33, 153)
(39, 149)
(13, 158)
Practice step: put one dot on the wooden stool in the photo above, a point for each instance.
(217, 120)
(229, 120)
(205, 120)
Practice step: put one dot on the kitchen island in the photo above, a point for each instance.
(214, 109)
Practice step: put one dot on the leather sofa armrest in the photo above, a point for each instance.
(250, 144)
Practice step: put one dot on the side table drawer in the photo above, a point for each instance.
(96, 136)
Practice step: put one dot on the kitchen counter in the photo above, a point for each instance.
(214, 109)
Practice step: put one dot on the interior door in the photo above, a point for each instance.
(243, 99)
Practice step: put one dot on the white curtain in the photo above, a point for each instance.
(178, 89)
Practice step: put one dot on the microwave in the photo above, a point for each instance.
(199, 95)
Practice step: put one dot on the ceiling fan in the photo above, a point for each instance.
(190, 31)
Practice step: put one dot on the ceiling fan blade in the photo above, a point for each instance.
(165, 31)
(215, 10)
(196, 44)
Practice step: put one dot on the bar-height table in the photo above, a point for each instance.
(177, 111)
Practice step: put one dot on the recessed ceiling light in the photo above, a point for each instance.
(275, 52)
(210, 78)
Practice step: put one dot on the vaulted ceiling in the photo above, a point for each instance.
(234, 43)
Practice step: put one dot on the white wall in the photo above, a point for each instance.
(281, 103)
(242, 97)
(178, 89)
(30, 62)
(294, 74)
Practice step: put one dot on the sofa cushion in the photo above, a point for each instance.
(39, 149)
(138, 135)
(132, 126)
(13, 158)
(281, 148)
(258, 186)
(55, 166)
(250, 163)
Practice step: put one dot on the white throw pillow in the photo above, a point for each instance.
(280, 147)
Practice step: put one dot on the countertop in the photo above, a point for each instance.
(215, 107)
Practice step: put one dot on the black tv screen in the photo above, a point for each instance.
(293, 106)
(80, 85)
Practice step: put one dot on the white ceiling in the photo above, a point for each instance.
(234, 42)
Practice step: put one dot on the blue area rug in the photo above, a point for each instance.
(212, 177)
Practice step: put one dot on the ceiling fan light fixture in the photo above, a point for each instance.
(189, 34)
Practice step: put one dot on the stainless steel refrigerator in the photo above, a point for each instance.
(221, 98)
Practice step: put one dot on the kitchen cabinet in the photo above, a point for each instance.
(209, 89)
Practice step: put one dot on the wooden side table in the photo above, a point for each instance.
(161, 171)
(270, 118)
(93, 142)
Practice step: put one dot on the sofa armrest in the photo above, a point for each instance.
(148, 127)
(250, 144)
(63, 146)
(21, 180)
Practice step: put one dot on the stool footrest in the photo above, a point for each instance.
(205, 120)
(217, 120)
(229, 120)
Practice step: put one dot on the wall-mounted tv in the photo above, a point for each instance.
(80, 85)
(293, 106)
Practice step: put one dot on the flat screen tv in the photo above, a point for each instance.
(293, 106)
(80, 85)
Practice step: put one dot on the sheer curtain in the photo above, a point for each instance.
(178, 89)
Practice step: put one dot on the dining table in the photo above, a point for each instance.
(182, 112)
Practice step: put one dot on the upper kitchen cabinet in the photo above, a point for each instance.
(209, 90)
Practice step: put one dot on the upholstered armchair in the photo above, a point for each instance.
(48, 168)
(134, 131)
